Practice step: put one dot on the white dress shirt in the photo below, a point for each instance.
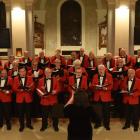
(23, 81)
(108, 64)
(48, 82)
(11, 66)
(120, 69)
(101, 80)
(15, 73)
(77, 82)
(81, 58)
(91, 63)
(26, 60)
(36, 73)
(138, 60)
(42, 61)
(130, 84)
(2, 83)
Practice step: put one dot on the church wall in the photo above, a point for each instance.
(50, 18)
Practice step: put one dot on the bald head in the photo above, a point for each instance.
(131, 73)
(82, 51)
(101, 69)
(48, 72)
(108, 56)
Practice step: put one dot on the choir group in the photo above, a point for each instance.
(108, 81)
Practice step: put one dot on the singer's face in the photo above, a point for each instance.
(48, 73)
(78, 72)
(131, 74)
(4, 73)
(101, 70)
(22, 72)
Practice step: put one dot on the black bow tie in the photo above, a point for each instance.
(2, 79)
(48, 78)
(78, 78)
(22, 77)
(131, 80)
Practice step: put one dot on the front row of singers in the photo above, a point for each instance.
(48, 88)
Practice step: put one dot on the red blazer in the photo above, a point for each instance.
(112, 63)
(63, 61)
(29, 61)
(7, 97)
(134, 98)
(31, 72)
(134, 63)
(128, 60)
(94, 63)
(49, 99)
(10, 73)
(103, 95)
(72, 69)
(72, 83)
(69, 61)
(7, 65)
(117, 81)
(24, 95)
(85, 62)
(0, 63)
(46, 60)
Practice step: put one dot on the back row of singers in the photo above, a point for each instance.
(48, 87)
(86, 60)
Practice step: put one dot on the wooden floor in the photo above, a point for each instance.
(116, 133)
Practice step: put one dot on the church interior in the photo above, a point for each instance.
(107, 32)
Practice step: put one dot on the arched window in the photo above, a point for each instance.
(70, 24)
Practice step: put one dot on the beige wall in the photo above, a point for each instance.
(52, 24)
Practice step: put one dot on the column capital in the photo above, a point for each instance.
(133, 3)
(29, 4)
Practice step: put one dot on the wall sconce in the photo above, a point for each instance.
(18, 52)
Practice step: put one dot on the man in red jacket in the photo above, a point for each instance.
(48, 89)
(102, 84)
(24, 87)
(83, 58)
(131, 93)
(5, 99)
(26, 61)
(77, 81)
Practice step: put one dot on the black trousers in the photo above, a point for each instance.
(46, 110)
(24, 109)
(5, 113)
(102, 110)
(131, 114)
(118, 105)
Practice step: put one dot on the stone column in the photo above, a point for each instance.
(29, 26)
(111, 26)
(8, 23)
(131, 26)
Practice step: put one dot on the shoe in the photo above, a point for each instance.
(125, 127)
(30, 127)
(56, 129)
(43, 128)
(21, 129)
(135, 129)
(107, 128)
(97, 126)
